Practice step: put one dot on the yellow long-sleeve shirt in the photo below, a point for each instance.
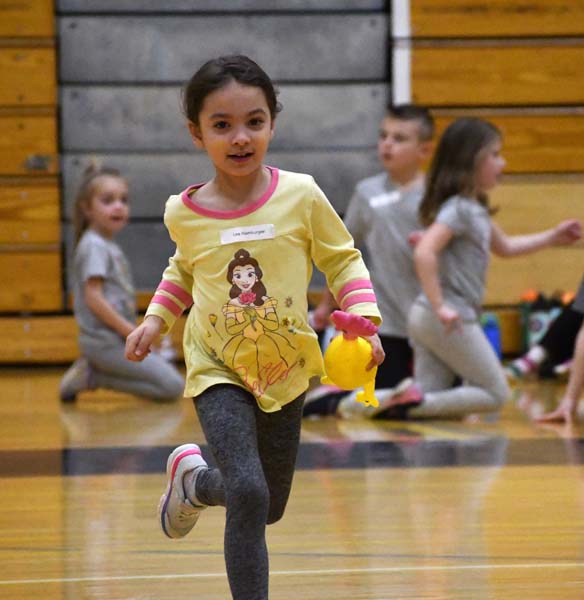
(248, 272)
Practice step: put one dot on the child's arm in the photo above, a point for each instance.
(103, 310)
(334, 253)
(566, 410)
(564, 234)
(426, 254)
(140, 340)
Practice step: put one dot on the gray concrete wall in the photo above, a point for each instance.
(123, 63)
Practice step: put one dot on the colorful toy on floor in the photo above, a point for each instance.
(347, 356)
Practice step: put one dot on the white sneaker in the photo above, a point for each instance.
(177, 514)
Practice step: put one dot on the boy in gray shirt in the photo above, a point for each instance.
(381, 216)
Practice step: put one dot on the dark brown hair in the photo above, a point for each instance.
(217, 73)
(413, 112)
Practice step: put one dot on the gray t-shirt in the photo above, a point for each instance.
(380, 216)
(464, 261)
(96, 256)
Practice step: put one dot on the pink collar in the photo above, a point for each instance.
(230, 214)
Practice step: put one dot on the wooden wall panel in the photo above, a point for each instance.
(160, 48)
(549, 270)
(27, 76)
(31, 281)
(534, 142)
(498, 74)
(27, 18)
(496, 18)
(28, 144)
(29, 212)
(38, 339)
(528, 204)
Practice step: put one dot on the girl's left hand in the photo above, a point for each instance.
(567, 232)
(377, 352)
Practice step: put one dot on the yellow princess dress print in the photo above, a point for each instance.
(255, 351)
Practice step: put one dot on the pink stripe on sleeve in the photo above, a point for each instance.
(357, 284)
(357, 299)
(177, 291)
(173, 307)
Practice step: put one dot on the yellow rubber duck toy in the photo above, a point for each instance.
(347, 356)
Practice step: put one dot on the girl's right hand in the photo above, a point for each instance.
(138, 343)
(449, 317)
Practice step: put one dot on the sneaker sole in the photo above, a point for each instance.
(171, 466)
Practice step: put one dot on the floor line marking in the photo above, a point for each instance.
(405, 568)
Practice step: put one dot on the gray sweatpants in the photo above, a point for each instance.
(440, 357)
(153, 378)
(256, 455)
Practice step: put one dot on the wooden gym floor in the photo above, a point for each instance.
(487, 509)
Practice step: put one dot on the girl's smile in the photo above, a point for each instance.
(240, 157)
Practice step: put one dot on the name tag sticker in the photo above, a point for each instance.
(384, 199)
(245, 234)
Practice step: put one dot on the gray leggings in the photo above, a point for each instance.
(153, 378)
(440, 357)
(256, 455)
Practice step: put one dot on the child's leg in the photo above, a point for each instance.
(278, 439)
(466, 353)
(227, 414)
(152, 378)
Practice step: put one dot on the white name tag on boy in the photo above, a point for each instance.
(384, 199)
(245, 234)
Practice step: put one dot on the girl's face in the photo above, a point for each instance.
(108, 211)
(235, 129)
(244, 277)
(490, 165)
